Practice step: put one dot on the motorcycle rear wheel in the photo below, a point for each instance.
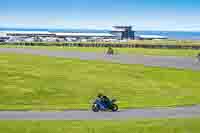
(114, 108)
(95, 108)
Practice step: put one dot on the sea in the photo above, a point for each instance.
(178, 35)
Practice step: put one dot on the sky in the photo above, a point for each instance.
(101, 14)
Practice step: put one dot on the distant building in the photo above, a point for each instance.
(30, 33)
(151, 37)
(119, 33)
(123, 32)
(3, 37)
(85, 35)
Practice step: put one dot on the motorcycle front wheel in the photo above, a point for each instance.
(114, 108)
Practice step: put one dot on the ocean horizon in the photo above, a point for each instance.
(178, 35)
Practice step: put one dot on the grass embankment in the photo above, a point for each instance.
(142, 51)
(38, 82)
(144, 126)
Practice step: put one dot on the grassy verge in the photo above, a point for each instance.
(142, 126)
(160, 52)
(38, 82)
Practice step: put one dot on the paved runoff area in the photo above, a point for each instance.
(176, 112)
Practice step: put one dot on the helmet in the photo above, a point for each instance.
(99, 95)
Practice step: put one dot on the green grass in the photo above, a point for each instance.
(44, 83)
(142, 51)
(142, 126)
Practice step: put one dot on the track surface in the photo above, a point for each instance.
(179, 112)
(173, 62)
(161, 61)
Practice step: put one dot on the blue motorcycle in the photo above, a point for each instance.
(100, 106)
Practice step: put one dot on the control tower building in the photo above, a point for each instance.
(123, 32)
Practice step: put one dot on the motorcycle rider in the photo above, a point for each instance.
(105, 100)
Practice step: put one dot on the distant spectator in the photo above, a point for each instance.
(198, 57)
(110, 51)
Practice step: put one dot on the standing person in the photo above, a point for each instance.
(110, 51)
(198, 57)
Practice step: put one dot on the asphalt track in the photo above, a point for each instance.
(158, 61)
(179, 112)
(161, 61)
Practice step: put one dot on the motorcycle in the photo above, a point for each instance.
(99, 106)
